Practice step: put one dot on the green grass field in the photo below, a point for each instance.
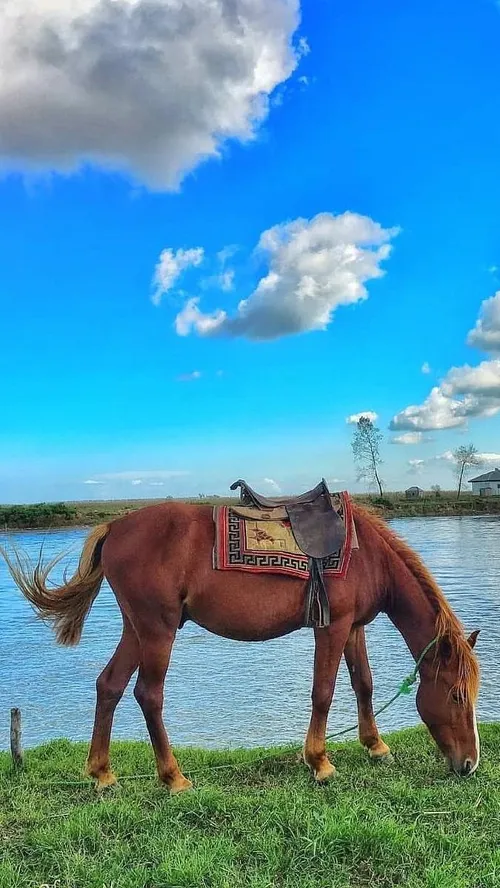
(259, 824)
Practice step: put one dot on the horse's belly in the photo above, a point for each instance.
(247, 607)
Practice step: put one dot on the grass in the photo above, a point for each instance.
(391, 505)
(262, 824)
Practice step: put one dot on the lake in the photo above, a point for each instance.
(221, 693)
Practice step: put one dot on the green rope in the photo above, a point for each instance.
(404, 688)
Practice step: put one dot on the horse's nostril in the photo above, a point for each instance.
(466, 767)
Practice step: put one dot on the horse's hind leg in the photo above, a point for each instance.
(356, 657)
(155, 657)
(110, 687)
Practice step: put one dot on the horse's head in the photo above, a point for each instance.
(446, 700)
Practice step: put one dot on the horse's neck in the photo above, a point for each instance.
(410, 608)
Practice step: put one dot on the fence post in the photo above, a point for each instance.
(15, 737)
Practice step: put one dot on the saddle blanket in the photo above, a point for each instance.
(261, 545)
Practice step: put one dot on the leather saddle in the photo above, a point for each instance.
(318, 529)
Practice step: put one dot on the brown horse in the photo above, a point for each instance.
(158, 562)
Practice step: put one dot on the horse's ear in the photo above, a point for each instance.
(471, 641)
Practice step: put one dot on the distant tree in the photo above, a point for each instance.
(436, 489)
(465, 457)
(366, 451)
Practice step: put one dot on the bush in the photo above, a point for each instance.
(37, 515)
(383, 501)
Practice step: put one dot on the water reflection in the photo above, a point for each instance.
(223, 693)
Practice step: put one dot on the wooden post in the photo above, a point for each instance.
(15, 737)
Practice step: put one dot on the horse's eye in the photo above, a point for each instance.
(455, 696)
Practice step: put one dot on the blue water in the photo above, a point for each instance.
(221, 693)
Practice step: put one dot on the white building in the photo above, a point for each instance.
(487, 484)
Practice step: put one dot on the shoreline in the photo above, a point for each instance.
(61, 516)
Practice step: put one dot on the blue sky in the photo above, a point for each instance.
(387, 112)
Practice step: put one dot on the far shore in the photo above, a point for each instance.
(91, 512)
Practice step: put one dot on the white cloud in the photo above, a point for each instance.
(226, 279)
(408, 438)
(313, 267)
(271, 483)
(486, 333)
(139, 476)
(149, 86)
(189, 377)
(92, 481)
(136, 481)
(482, 380)
(478, 389)
(489, 458)
(354, 418)
(436, 412)
(191, 316)
(227, 253)
(170, 267)
(425, 368)
(465, 392)
(416, 466)
(447, 456)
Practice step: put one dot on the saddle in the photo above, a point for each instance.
(318, 529)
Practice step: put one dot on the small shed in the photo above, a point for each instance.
(414, 493)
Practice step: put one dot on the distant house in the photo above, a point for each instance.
(414, 493)
(487, 484)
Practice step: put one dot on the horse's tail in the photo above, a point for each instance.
(63, 607)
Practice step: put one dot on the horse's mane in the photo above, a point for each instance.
(448, 626)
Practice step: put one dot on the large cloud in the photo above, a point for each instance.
(313, 267)
(436, 412)
(149, 86)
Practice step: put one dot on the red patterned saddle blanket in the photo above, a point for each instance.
(262, 541)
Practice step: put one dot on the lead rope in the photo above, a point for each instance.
(404, 688)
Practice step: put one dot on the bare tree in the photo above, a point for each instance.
(366, 451)
(465, 457)
(436, 489)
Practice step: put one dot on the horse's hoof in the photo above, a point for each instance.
(325, 773)
(105, 781)
(181, 784)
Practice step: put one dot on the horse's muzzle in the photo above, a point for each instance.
(463, 769)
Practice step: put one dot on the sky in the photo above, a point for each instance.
(228, 229)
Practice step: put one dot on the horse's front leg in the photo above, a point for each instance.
(356, 657)
(330, 644)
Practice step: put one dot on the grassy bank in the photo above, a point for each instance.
(262, 824)
(391, 505)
